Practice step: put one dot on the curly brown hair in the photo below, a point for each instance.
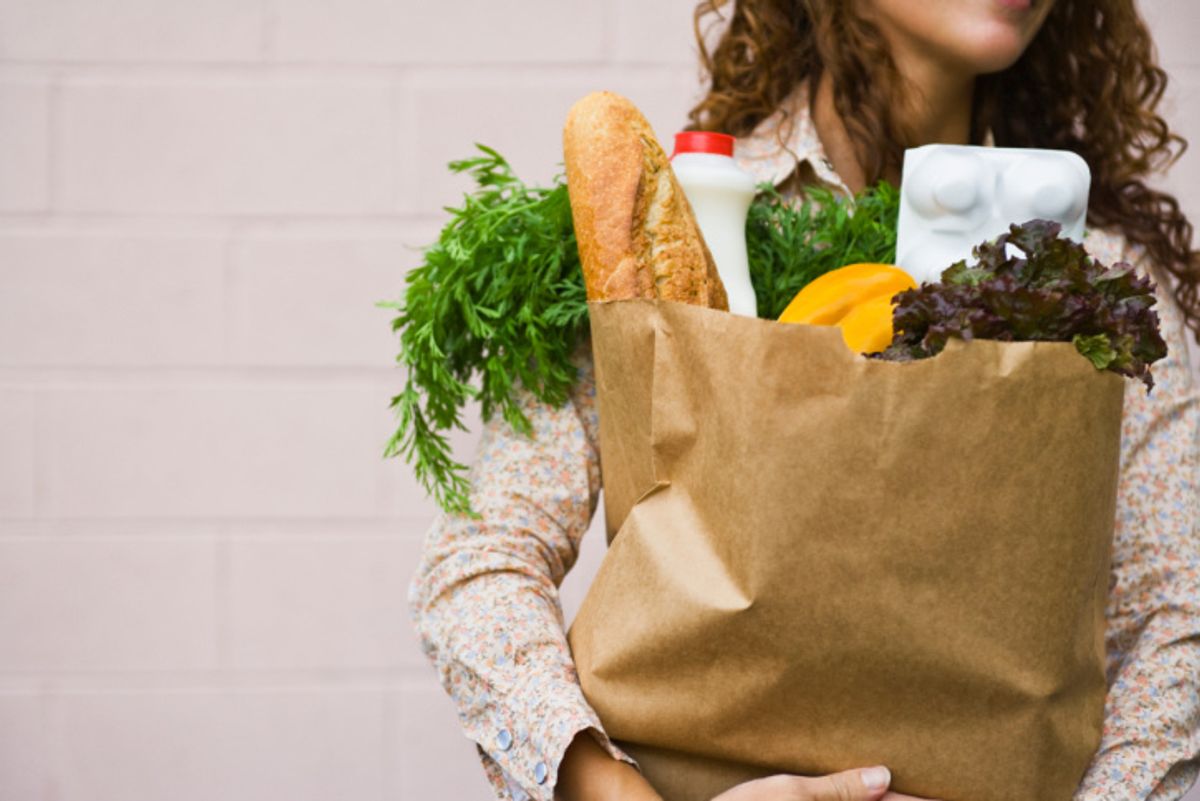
(1089, 82)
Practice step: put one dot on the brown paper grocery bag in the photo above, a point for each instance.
(820, 561)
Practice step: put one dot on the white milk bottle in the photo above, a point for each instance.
(720, 193)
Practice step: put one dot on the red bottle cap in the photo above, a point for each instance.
(703, 142)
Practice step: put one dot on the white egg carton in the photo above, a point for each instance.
(952, 197)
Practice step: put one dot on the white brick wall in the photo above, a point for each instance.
(203, 558)
(225, 144)
(24, 145)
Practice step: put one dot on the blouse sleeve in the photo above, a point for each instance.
(485, 597)
(1150, 740)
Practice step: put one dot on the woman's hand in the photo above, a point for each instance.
(588, 773)
(865, 784)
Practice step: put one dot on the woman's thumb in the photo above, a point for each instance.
(865, 784)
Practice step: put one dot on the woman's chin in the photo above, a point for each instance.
(994, 52)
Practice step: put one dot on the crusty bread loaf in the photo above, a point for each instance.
(637, 235)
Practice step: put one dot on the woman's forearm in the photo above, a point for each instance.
(588, 773)
(485, 600)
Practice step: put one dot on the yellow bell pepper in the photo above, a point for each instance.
(868, 326)
(857, 298)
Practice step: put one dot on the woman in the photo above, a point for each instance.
(832, 91)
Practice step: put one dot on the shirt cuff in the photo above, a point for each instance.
(523, 749)
(608, 745)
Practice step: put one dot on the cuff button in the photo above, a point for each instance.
(540, 772)
(504, 739)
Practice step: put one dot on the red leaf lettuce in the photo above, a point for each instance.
(1055, 293)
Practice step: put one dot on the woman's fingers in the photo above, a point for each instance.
(865, 784)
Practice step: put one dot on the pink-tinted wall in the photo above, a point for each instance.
(203, 558)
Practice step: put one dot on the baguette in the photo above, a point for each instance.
(637, 235)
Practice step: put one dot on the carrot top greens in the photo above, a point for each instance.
(498, 301)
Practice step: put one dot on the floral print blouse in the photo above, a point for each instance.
(485, 598)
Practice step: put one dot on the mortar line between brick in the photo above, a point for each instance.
(54, 144)
(54, 738)
(389, 744)
(37, 457)
(235, 528)
(260, 374)
(222, 597)
(611, 21)
(156, 71)
(400, 119)
(268, 31)
(152, 680)
(414, 537)
(228, 250)
(279, 220)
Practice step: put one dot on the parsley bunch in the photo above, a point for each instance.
(790, 245)
(499, 300)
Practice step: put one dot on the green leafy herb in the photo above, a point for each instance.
(499, 301)
(1055, 293)
(790, 245)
